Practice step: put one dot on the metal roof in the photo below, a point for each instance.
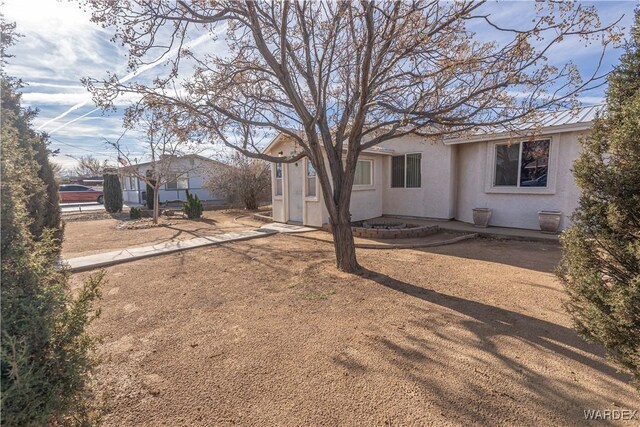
(548, 122)
(570, 117)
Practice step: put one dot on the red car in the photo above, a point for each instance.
(73, 193)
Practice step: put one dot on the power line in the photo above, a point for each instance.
(79, 148)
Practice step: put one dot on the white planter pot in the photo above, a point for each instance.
(481, 217)
(549, 221)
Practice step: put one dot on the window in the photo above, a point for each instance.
(406, 171)
(177, 182)
(311, 180)
(524, 164)
(278, 168)
(364, 173)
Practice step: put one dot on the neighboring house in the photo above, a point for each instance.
(186, 173)
(516, 177)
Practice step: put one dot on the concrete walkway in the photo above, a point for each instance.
(105, 259)
(286, 228)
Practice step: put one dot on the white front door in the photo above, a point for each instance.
(295, 191)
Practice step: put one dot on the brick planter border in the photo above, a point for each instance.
(401, 233)
(266, 217)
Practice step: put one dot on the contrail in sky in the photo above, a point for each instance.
(128, 77)
(74, 120)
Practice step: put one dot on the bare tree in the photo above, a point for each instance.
(340, 77)
(89, 166)
(163, 149)
(243, 181)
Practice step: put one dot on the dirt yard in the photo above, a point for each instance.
(86, 237)
(267, 332)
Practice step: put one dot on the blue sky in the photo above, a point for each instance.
(61, 45)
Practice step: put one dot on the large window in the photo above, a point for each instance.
(524, 164)
(278, 167)
(311, 179)
(177, 182)
(364, 173)
(406, 171)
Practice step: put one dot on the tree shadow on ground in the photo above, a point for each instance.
(536, 256)
(477, 380)
(554, 337)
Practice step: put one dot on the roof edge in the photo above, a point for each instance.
(574, 127)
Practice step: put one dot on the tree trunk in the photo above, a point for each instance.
(156, 208)
(250, 201)
(344, 245)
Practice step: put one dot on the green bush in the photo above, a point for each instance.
(135, 213)
(42, 189)
(44, 351)
(193, 206)
(112, 192)
(601, 262)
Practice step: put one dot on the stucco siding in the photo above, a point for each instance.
(435, 197)
(455, 178)
(516, 207)
(366, 202)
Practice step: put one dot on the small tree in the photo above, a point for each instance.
(89, 166)
(243, 182)
(163, 148)
(112, 191)
(601, 264)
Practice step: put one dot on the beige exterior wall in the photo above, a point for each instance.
(436, 196)
(454, 180)
(293, 205)
(516, 207)
(366, 201)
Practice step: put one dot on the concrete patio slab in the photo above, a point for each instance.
(286, 228)
(105, 259)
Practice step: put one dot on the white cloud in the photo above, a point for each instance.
(37, 98)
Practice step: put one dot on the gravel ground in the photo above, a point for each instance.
(267, 332)
(87, 237)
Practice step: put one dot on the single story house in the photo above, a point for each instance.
(514, 176)
(185, 173)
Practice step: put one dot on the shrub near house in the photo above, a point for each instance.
(112, 192)
(45, 351)
(601, 264)
(193, 206)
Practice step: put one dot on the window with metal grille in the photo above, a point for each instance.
(406, 171)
